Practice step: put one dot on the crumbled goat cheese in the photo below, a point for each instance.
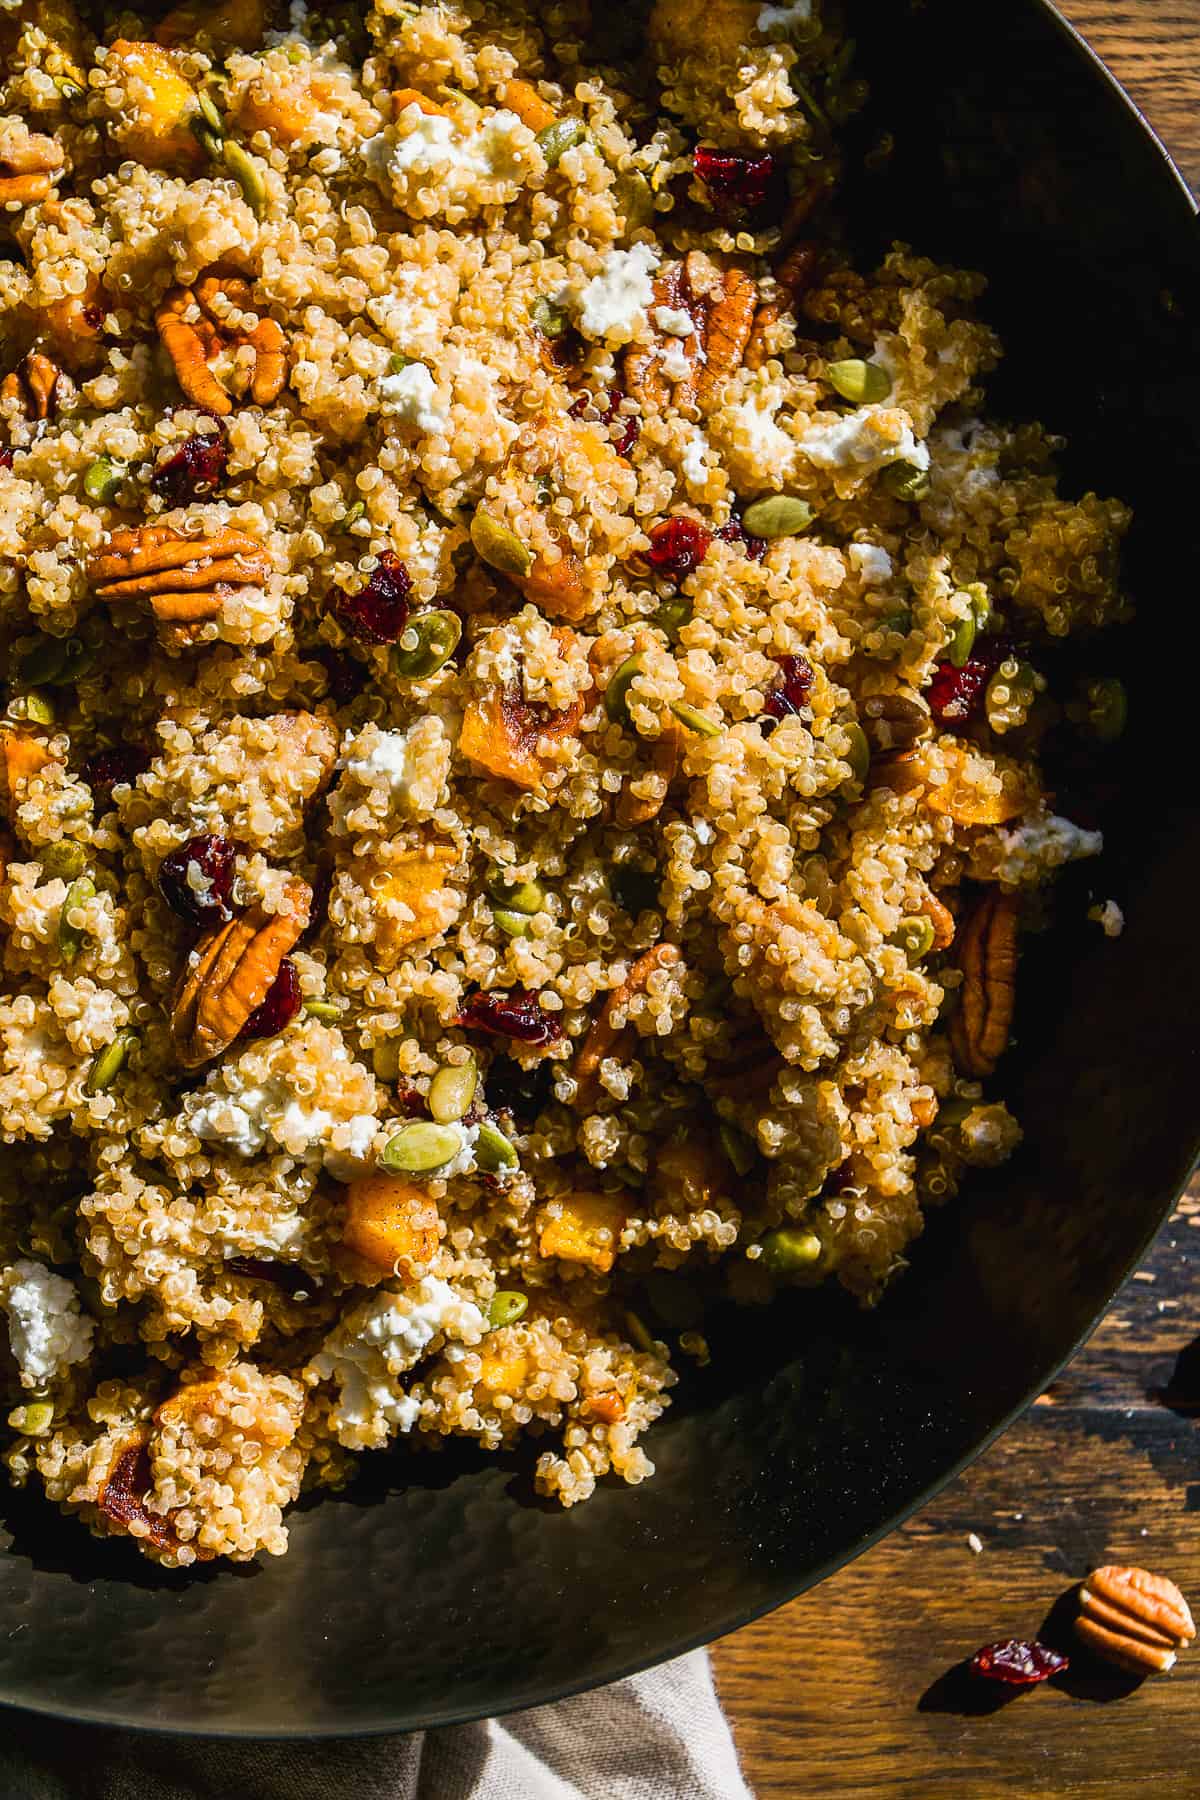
(872, 562)
(768, 443)
(409, 395)
(1040, 845)
(865, 440)
(380, 1341)
(272, 1240)
(200, 883)
(350, 1145)
(674, 321)
(799, 12)
(694, 462)
(237, 1115)
(433, 143)
(613, 304)
(384, 765)
(233, 1124)
(46, 1325)
(674, 360)
(1109, 917)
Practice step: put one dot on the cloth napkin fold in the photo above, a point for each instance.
(658, 1736)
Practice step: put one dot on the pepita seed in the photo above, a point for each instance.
(102, 480)
(858, 752)
(435, 637)
(738, 1147)
(512, 924)
(421, 1149)
(493, 1151)
(672, 615)
(519, 896)
(862, 383)
(109, 1062)
(329, 1010)
(905, 481)
(778, 515)
(397, 361)
(34, 1420)
(245, 172)
(555, 139)
(385, 1061)
(914, 936)
(210, 115)
(37, 708)
(787, 1250)
(962, 642)
(70, 937)
(507, 1306)
(43, 661)
(616, 694)
(549, 318)
(640, 1334)
(499, 547)
(64, 860)
(694, 720)
(452, 1091)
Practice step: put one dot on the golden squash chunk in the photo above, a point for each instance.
(406, 895)
(586, 1230)
(689, 1175)
(287, 108)
(390, 1222)
(23, 756)
(503, 735)
(504, 1370)
(966, 802)
(557, 589)
(230, 25)
(153, 122)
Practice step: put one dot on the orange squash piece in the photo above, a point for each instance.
(412, 881)
(390, 1222)
(586, 1230)
(963, 802)
(154, 124)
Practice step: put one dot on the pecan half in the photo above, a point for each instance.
(1134, 1619)
(987, 956)
(194, 325)
(894, 722)
(639, 809)
(721, 307)
(605, 1034)
(900, 770)
(184, 578)
(28, 166)
(229, 973)
(33, 384)
(727, 332)
(124, 1495)
(942, 920)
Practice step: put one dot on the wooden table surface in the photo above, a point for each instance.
(853, 1689)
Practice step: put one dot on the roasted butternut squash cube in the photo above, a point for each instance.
(287, 110)
(407, 894)
(501, 735)
(557, 589)
(390, 1222)
(967, 803)
(24, 756)
(152, 122)
(504, 1370)
(586, 1230)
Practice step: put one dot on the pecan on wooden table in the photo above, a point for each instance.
(987, 956)
(184, 579)
(229, 973)
(1134, 1619)
(196, 324)
(29, 164)
(33, 385)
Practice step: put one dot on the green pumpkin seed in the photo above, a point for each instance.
(102, 480)
(245, 172)
(616, 694)
(70, 937)
(353, 514)
(427, 644)
(80, 660)
(672, 615)
(64, 860)
(421, 1149)
(778, 515)
(328, 1010)
(787, 1250)
(549, 318)
(34, 1420)
(639, 1334)
(499, 547)
(904, 481)
(695, 720)
(862, 383)
(210, 115)
(70, 90)
(1107, 708)
(37, 708)
(740, 1149)
(506, 1308)
(519, 896)
(962, 642)
(209, 140)
(512, 924)
(397, 361)
(561, 135)
(452, 1090)
(385, 1061)
(858, 752)
(43, 661)
(493, 1151)
(109, 1062)
(635, 197)
(914, 936)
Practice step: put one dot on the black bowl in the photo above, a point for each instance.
(439, 1589)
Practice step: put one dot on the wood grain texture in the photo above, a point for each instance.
(857, 1688)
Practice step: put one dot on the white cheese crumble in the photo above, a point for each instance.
(1109, 917)
(385, 763)
(864, 441)
(409, 396)
(871, 561)
(694, 464)
(674, 360)
(613, 304)
(1039, 846)
(766, 443)
(272, 1240)
(350, 1145)
(245, 1118)
(378, 1342)
(674, 321)
(233, 1124)
(433, 143)
(46, 1325)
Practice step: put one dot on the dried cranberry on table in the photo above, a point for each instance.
(279, 1007)
(678, 546)
(735, 533)
(109, 768)
(791, 695)
(512, 1014)
(194, 471)
(736, 180)
(629, 426)
(378, 612)
(955, 695)
(1018, 1662)
(205, 897)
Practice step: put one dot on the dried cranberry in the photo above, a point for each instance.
(735, 533)
(522, 1093)
(346, 675)
(206, 897)
(410, 1101)
(294, 1281)
(515, 1014)
(378, 612)
(279, 1007)
(955, 694)
(109, 768)
(678, 545)
(629, 426)
(6, 457)
(318, 906)
(1018, 1663)
(193, 472)
(129, 1484)
(735, 180)
(791, 695)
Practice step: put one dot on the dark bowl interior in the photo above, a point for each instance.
(439, 1588)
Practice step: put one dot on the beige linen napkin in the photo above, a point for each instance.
(658, 1736)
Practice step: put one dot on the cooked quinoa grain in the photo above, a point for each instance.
(520, 754)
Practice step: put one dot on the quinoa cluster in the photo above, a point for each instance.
(520, 761)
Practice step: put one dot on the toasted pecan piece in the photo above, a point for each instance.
(721, 305)
(639, 809)
(605, 1034)
(184, 579)
(123, 1497)
(727, 333)
(1132, 1618)
(33, 384)
(28, 167)
(987, 956)
(228, 974)
(193, 327)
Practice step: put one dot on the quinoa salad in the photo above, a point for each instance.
(524, 680)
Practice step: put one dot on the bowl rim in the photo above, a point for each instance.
(791, 1589)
